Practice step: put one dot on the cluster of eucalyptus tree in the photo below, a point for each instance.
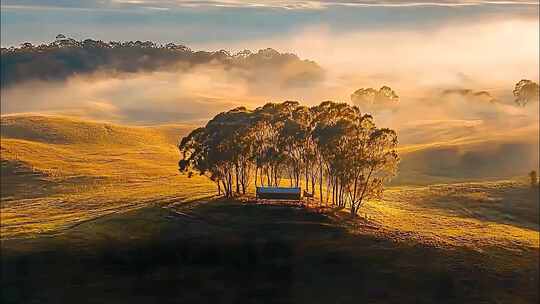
(66, 57)
(332, 150)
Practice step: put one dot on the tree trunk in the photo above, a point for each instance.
(313, 184)
(307, 180)
(333, 191)
(244, 178)
(328, 181)
(320, 181)
(236, 179)
(366, 184)
(256, 170)
(230, 183)
(290, 178)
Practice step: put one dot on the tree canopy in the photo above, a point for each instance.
(65, 57)
(332, 149)
(526, 91)
(370, 99)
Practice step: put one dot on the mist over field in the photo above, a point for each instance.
(454, 81)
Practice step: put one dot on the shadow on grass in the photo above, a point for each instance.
(512, 204)
(228, 252)
(19, 181)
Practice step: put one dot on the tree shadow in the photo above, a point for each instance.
(229, 252)
(512, 204)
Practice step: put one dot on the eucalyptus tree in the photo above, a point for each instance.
(375, 101)
(333, 144)
(374, 161)
(66, 57)
(274, 154)
(221, 150)
(357, 156)
(526, 91)
(304, 126)
(325, 117)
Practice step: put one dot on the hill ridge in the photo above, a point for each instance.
(57, 129)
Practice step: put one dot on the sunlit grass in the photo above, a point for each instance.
(134, 167)
(88, 178)
(418, 214)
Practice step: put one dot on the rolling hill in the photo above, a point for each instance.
(79, 194)
(458, 151)
(227, 251)
(60, 171)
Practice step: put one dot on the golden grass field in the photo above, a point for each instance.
(500, 214)
(101, 210)
(59, 171)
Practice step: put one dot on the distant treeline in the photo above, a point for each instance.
(66, 57)
(332, 148)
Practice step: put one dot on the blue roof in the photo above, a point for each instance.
(293, 190)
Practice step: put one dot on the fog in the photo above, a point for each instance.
(454, 84)
(157, 97)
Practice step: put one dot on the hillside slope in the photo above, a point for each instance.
(241, 252)
(57, 171)
(445, 152)
(68, 130)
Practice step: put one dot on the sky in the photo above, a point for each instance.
(221, 22)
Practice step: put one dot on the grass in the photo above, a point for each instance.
(232, 252)
(57, 172)
(500, 214)
(94, 212)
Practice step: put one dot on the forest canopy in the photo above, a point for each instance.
(526, 91)
(332, 149)
(372, 100)
(66, 57)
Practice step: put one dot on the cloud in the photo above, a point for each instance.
(280, 4)
(305, 4)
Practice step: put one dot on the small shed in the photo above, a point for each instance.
(279, 193)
